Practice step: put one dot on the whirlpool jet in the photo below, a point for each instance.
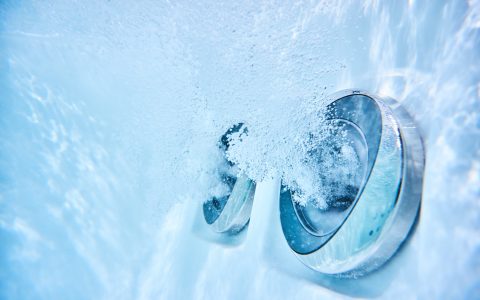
(366, 218)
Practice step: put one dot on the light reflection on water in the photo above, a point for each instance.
(110, 112)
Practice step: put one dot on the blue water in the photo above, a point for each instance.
(110, 111)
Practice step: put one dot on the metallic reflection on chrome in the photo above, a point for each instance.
(230, 213)
(364, 225)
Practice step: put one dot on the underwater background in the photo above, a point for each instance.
(110, 112)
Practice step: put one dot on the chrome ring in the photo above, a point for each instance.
(359, 232)
(230, 213)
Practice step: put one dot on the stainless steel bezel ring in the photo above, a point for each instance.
(380, 218)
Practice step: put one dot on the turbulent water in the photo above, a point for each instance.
(110, 112)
